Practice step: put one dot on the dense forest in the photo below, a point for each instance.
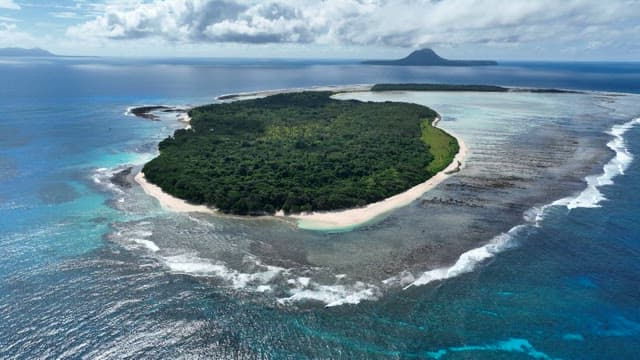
(300, 152)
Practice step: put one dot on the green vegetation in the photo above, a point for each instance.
(300, 152)
(437, 87)
(442, 146)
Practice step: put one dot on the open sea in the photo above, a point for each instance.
(532, 251)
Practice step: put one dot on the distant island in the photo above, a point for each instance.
(464, 87)
(428, 57)
(22, 52)
(300, 152)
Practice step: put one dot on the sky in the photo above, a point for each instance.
(568, 30)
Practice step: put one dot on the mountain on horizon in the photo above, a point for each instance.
(428, 57)
(34, 52)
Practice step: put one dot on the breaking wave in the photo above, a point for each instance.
(331, 295)
(590, 197)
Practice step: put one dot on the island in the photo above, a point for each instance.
(22, 52)
(301, 152)
(464, 87)
(428, 57)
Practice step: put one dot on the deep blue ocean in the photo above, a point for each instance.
(568, 288)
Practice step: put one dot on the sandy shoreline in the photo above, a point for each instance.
(261, 94)
(345, 219)
(167, 201)
(330, 220)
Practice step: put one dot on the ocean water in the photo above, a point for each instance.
(530, 252)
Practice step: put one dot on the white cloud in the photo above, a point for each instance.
(65, 15)
(400, 23)
(11, 36)
(9, 4)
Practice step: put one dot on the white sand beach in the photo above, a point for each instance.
(167, 201)
(261, 94)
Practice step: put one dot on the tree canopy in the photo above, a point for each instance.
(300, 152)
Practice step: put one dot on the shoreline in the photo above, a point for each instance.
(168, 201)
(186, 119)
(351, 218)
(265, 93)
(338, 220)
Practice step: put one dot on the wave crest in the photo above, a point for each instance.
(590, 197)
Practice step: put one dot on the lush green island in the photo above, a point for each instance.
(428, 57)
(300, 152)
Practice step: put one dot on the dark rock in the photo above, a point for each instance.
(123, 178)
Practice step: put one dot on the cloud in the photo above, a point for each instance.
(10, 35)
(8, 19)
(398, 23)
(65, 15)
(9, 4)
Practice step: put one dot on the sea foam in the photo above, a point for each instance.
(470, 259)
(330, 295)
(512, 345)
(192, 264)
(101, 177)
(267, 277)
(590, 197)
